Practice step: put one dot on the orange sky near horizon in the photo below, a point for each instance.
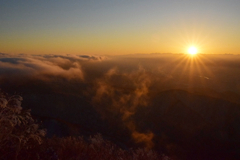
(114, 28)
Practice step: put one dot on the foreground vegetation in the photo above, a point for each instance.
(21, 137)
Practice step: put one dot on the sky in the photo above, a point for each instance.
(113, 27)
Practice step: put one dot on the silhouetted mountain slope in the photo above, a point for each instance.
(193, 123)
(185, 124)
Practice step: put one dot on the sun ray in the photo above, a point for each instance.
(201, 60)
(186, 72)
(200, 73)
(182, 60)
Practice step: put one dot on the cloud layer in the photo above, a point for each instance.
(43, 66)
(116, 88)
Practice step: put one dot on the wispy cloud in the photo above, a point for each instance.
(125, 92)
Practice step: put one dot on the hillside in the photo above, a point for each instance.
(184, 124)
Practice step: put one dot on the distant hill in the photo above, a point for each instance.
(192, 125)
(189, 125)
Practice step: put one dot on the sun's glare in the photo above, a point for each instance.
(192, 50)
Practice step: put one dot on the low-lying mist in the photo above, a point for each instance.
(174, 103)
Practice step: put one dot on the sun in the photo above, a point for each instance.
(192, 50)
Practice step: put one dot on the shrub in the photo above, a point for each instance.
(96, 148)
(19, 133)
(21, 138)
